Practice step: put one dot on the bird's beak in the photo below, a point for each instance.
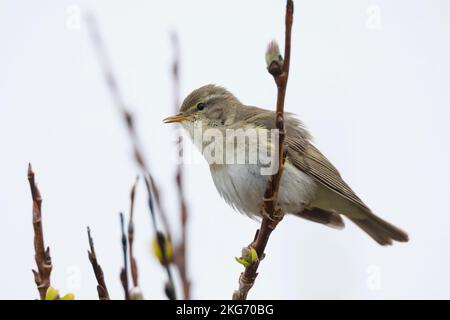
(178, 118)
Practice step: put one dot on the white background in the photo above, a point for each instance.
(374, 93)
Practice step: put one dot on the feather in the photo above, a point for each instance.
(328, 218)
(336, 196)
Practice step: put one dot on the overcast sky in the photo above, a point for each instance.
(370, 79)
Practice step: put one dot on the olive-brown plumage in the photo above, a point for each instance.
(311, 187)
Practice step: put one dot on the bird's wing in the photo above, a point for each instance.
(307, 158)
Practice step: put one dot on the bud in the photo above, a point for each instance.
(274, 60)
(69, 296)
(52, 294)
(136, 294)
(167, 247)
(249, 256)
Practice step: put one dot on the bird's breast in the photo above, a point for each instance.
(243, 187)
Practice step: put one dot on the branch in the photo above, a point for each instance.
(133, 265)
(116, 95)
(271, 213)
(127, 117)
(180, 257)
(161, 210)
(101, 285)
(42, 254)
(124, 271)
(163, 242)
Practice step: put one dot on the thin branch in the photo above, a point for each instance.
(114, 90)
(162, 243)
(42, 254)
(271, 213)
(133, 265)
(127, 117)
(124, 271)
(161, 210)
(180, 257)
(102, 290)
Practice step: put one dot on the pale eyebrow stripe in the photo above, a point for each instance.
(215, 96)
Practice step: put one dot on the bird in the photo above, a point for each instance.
(310, 186)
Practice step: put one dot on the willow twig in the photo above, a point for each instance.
(124, 271)
(133, 265)
(42, 254)
(102, 290)
(271, 213)
(128, 119)
(162, 243)
(180, 257)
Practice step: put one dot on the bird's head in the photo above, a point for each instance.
(213, 105)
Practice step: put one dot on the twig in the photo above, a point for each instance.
(271, 213)
(161, 210)
(101, 285)
(161, 240)
(42, 254)
(124, 271)
(133, 265)
(113, 87)
(180, 257)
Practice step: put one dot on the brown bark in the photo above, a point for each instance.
(271, 213)
(42, 254)
(101, 285)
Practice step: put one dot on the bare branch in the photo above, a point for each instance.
(271, 213)
(127, 117)
(161, 240)
(161, 210)
(42, 254)
(101, 285)
(124, 271)
(180, 257)
(133, 265)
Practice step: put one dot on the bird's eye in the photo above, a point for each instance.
(201, 106)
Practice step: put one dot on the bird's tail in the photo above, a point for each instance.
(380, 230)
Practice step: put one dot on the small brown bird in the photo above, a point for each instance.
(311, 187)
